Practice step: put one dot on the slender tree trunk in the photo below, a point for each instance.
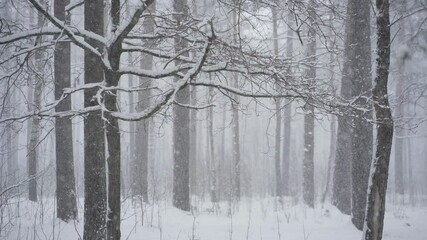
(128, 177)
(193, 125)
(333, 125)
(193, 142)
(212, 162)
(181, 129)
(375, 209)
(235, 125)
(399, 157)
(361, 79)
(9, 136)
(94, 144)
(278, 111)
(308, 164)
(140, 164)
(65, 182)
(410, 184)
(287, 119)
(35, 125)
(112, 131)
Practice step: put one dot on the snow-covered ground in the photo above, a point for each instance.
(253, 220)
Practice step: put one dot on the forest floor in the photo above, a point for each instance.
(261, 219)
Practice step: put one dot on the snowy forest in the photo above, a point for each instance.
(213, 119)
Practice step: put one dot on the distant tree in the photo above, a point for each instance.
(399, 141)
(286, 151)
(140, 164)
(310, 75)
(32, 152)
(332, 45)
(235, 115)
(277, 156)
(213, 189)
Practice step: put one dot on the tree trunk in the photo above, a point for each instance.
(181, 129)
(278, 111)
(94, 144)
(308, 164)
(331, 159)
(35, 124)
(342, 187)
(375, 209)
(140, 165)
(193, 142)
(399, 142)
(65, 182)
(235, 125)
(113, 158)
(9, 143)
(193, 125)
(287, 120)
(333, 125)
(212, 162)
(112, 131)
(359, 60)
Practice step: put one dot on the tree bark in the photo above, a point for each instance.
(375, 209)
(287, 119)
(112, 131)
(342, 187)
(35, 124)
(94, 145)
(181, 129)
(65, 179)
(308, 163)
(359, 65)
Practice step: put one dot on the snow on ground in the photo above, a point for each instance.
(253, 220)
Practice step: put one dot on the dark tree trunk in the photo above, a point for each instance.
(113, 157)
(181, 129)
(65, 182)
(112, 131)
(359, 60)
(374, 221)
(342, 187)
(341, 191)
(308, 164)
(94, 144)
